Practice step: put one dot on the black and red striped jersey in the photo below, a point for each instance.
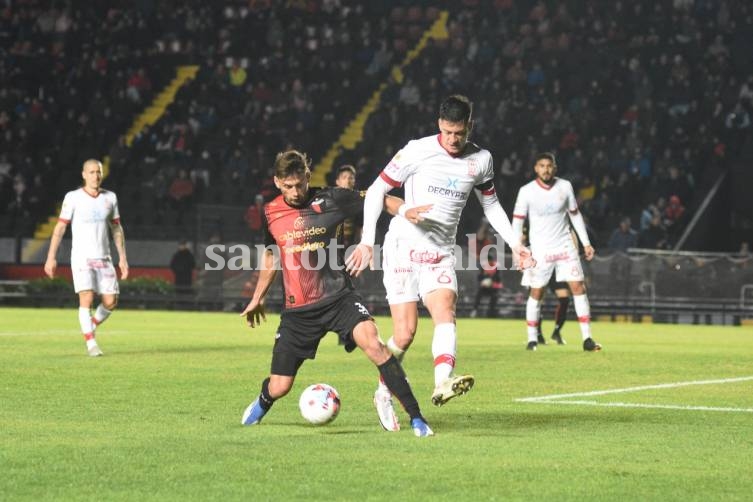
(311, 273)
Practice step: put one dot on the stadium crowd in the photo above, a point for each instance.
(641, 101)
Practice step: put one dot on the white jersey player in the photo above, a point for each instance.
(438, 173)
(91, 211)
(547, 202)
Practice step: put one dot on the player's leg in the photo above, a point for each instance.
(562, 292)
(491, 310)
(274, 387)
(392, 375)
(104, 309)
(441, 305)
(533, 316)
(583, 311)
(298, 339)
(85, 301)
(108, 288)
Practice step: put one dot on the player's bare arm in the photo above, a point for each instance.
(118, 237)
(254, 311)
(51, 265)
(589, 252)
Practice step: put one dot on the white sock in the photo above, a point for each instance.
(101, 314)
(583, 310)
(85, 321)
(533, 316)
(444, 348)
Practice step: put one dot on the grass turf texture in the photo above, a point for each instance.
(158, 417)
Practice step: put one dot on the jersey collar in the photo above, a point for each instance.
(544, 185)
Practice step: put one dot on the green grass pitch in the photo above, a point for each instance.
(158, 417)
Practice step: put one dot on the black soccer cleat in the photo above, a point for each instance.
(558, 338)
(531, 346)
(541, 339)
(590, 346)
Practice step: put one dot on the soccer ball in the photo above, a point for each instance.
(319, 403)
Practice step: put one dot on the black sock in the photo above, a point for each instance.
(265, 400)
(395, 380)
(560, 316)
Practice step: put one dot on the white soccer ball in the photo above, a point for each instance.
(319, 403)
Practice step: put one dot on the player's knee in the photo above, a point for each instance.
(578, 288)
(110, 303)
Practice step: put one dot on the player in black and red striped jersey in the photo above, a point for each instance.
(302, 223)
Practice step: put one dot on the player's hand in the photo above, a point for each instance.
(523, 257)
(254, 313)
(50, 266)
(123, 269)
(415, 214)
(359, 259)
(589, 252)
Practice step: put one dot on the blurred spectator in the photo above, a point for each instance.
(181, 191)
(182, 265)
(489, 286)
(254, 218)
(623, 237)
(654, 236)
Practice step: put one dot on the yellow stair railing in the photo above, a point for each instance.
(353, 132)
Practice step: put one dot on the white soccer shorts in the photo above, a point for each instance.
(97, 275)
(413, 269)
(564, 262)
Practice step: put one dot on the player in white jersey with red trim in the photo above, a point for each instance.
(547, 202)
(438, 172)
(91, 210)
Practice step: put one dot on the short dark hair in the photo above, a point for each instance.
(456, 108)
(545, 156)
(291, 163)
(346, 168)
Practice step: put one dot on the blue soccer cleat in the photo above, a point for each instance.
(253, 414)
(420, 428)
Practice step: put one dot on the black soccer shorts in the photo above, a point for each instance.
(300, 332)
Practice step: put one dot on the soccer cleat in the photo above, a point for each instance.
(385, 410)
(531, 346)
(451, 387)
(590, 346)
(541, 340)
(253, 414)
(558, 338)
(420, 428)
(95, 351)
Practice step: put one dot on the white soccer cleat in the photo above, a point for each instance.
(95, 351)
(452, 387)
(385, 410)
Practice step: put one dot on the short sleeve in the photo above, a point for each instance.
(572, 204)
(350, 202)
(66, 212)
(521, 205)
(115, 213)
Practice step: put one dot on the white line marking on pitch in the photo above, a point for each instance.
(564, 398)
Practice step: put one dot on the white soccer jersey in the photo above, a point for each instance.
(546, 207)
(89, 217)
(432, 176)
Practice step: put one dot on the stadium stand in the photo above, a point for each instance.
(647, 105)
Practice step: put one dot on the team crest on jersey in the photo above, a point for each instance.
(316, 205)
(472, 167)
(298, 223)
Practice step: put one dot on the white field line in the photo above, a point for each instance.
(57, 332)
(565, 398)
(644, 405)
